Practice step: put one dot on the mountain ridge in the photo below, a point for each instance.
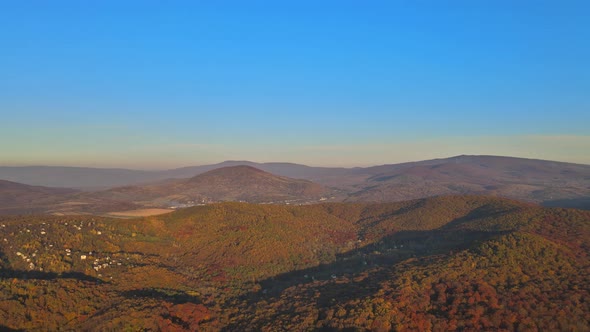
(82, 177)
(544, 182)
(18, 198)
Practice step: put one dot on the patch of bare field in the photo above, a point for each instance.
(139, 213)
(73, 203)
(68, 213)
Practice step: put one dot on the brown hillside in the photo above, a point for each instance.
(525, 179)
(17, 198)
(236, 183)
(249, 183)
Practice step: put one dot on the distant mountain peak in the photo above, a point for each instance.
(8, 185)
(237, 169)
(233, 172)
(231, 183)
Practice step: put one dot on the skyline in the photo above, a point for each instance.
(437, 151)
(149, 86)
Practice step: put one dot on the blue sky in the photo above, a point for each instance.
(153, 84)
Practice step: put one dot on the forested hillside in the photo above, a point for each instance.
(445, 263)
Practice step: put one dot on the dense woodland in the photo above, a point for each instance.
(447, 263)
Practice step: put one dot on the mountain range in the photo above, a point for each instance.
(102, 178)
(456, 244)
(526, 179)
(86, 178)
(546, 182)
(21, 198)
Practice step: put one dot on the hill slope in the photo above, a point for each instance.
(445, 263)
(526, 179)
(18, 198)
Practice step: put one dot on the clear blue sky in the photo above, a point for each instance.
(154, 84)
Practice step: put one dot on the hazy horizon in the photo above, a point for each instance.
(147, 85)
(274, 161)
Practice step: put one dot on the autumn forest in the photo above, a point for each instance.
(448, 263)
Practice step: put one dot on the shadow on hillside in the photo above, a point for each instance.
(485, 211)
(40, 275)
(359, 273)
(387, 252)
(169, 295)
(3, 258)
(8, 329)
(574, 203)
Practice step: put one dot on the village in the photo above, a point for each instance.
(83, 245)
(205, 201)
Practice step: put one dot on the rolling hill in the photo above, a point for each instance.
(235, 183)
(525, 179)
(443, 263)
(85, 178)
(18, 198)
(90, 179)
(547, 182)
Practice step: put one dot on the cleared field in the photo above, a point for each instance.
(138, 213)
